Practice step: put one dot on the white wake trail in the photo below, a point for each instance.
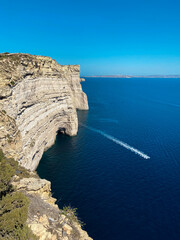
(117, 141)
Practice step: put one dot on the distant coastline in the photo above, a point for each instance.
(129, 76)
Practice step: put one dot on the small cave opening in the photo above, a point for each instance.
(61, 131)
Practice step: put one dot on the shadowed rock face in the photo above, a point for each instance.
(38, 97)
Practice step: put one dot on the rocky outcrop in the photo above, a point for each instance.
(38, 98)
(10, 136)
(45, 219)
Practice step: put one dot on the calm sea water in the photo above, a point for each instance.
(122, 170)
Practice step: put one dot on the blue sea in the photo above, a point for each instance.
(122, 170)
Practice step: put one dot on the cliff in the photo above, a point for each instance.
(45, 219)
(38, 98)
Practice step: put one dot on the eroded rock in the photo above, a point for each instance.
(45, 219)
(38, 98)
(41, 96)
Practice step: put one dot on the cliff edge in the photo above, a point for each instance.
(38, 98)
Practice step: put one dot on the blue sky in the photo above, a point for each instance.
(105, 37)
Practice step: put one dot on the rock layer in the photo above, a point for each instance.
(45, 219)
(40, 97)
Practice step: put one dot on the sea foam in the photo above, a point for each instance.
(117, 141)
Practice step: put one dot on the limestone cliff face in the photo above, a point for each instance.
(45, 219)
(38, 98)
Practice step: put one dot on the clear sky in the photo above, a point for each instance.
(104, 37)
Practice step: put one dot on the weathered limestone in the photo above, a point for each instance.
(10, 136)
(38, 98)
(45, 219)
(36, 186)
(41, 97)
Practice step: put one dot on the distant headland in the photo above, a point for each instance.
(136, 76)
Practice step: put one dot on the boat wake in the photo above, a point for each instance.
(117, 141)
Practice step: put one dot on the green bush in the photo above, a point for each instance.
(18, 170)
(13, 205)
(71, 213)
(13, 215)
(6, 173)
(12, 83)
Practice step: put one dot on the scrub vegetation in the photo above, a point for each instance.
(13, 204)
(71, 213)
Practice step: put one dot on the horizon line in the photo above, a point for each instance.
(136, 76)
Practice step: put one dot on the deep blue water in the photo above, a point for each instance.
(119, 194)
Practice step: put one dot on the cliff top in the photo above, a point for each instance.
(17, 66)
(21, 58)
(15, 56)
